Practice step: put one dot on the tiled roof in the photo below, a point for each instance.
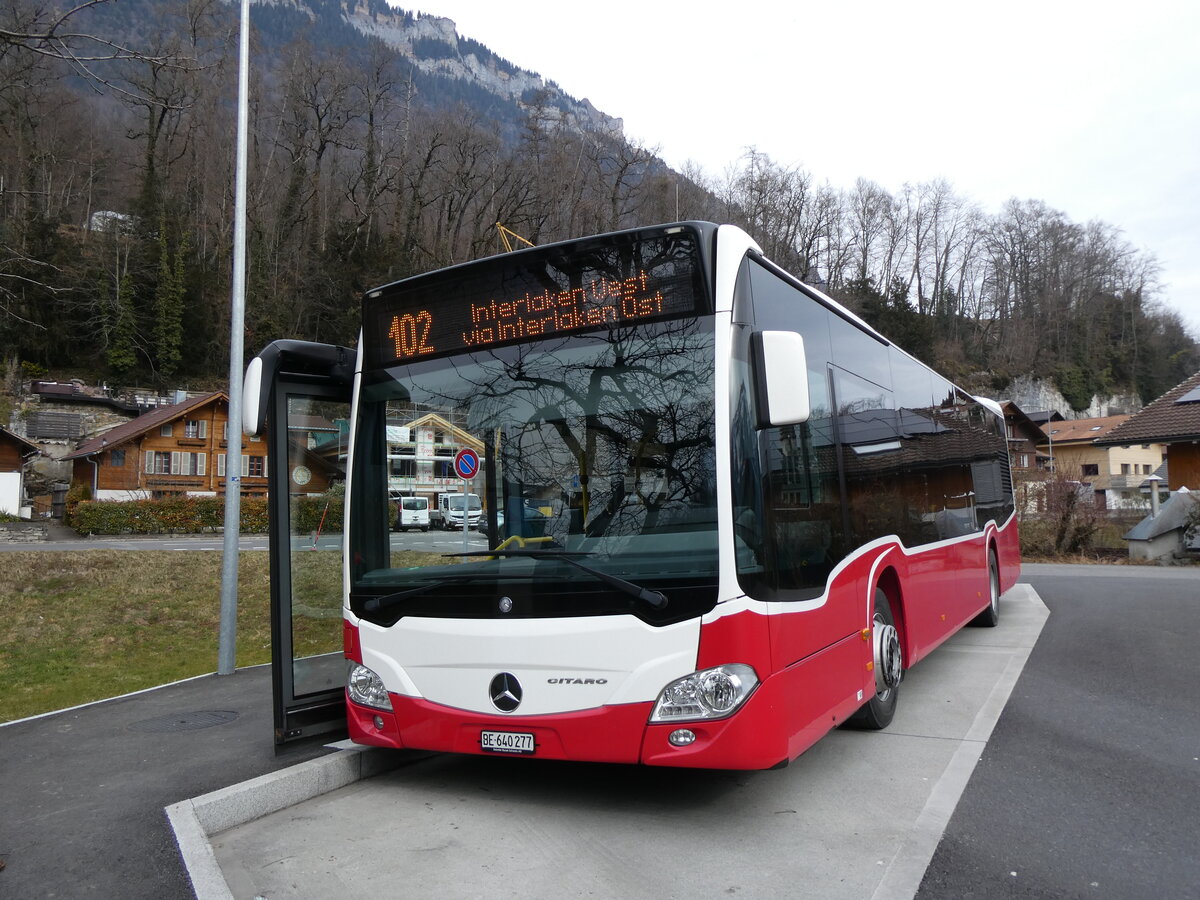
(1042, 416)
(127, 431)
(24, 445)
(1082, 430)
(1016, 417)
(1173, 515)
(1163, 421)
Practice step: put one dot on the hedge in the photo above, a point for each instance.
(307, 513)
(198, 515)
(177, 515)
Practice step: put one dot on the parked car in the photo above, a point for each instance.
(412, 512)
(534, 526)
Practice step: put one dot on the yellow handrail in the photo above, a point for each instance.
(522, 541)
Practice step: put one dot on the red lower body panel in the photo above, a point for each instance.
(756, 737)
(608, 734)
(751, 739)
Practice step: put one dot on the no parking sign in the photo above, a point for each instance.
(466, 464)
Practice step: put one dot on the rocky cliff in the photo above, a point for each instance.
(434, 46)
(1035, 395)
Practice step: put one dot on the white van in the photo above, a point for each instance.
(412, 512)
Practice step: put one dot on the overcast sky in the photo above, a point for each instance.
(1092, 107)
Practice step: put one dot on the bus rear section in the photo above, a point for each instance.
(753, 513)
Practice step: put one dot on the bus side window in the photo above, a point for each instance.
(747, 477)
(797, 498)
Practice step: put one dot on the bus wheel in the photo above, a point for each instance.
(990, 617)
(877, 712)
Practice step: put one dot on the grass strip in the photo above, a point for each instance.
(84, 625)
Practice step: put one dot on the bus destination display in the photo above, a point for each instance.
(529, 298)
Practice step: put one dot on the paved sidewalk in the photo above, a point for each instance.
(82, 792)
(857, 816)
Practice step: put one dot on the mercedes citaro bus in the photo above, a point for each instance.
(755, 512)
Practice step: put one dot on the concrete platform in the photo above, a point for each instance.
(859, 815)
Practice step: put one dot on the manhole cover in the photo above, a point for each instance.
(188, 721)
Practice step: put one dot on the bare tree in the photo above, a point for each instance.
(52, 33)
(49, 32)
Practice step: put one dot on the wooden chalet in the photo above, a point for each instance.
(168, 451)
(1024, 436)
(14, 452)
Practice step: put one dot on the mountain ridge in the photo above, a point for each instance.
(415, 35)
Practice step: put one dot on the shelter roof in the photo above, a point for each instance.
(1173, 516)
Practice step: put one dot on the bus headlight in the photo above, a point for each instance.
(367, 688)
(709, 694)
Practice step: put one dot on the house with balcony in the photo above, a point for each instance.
(1115, 473)
(1173, 420)
(169, 451)
(1024, 435)
(421, 456)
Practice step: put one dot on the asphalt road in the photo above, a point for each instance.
(65, 539)
(1090, 784)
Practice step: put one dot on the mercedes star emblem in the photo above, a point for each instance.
(505, 692)
(506, 604)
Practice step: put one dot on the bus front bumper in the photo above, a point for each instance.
(752, 738)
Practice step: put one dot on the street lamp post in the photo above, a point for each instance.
(227, 642)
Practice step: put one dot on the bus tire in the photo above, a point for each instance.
(877, 712)
(990, 617)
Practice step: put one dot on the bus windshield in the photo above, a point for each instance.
(598, 445)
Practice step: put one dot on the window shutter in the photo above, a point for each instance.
(203, 428)
(245, 465)
(201, 463)
(149, 462)
(265, 470)
(220, 465)
(176, 462)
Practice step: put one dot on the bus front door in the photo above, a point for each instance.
(308, 428)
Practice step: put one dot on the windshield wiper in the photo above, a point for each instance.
(378, 604)
(653, 598)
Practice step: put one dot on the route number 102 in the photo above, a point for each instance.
(411, 334)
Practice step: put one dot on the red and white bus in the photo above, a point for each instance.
(733, 514)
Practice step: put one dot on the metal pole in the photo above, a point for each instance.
(469, 486)
(227, 646)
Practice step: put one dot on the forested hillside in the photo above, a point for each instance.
(367, 167)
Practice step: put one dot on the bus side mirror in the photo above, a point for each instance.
(254, 398)
(781, 378)
(328, 363)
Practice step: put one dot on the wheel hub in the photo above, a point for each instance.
(888, 661)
